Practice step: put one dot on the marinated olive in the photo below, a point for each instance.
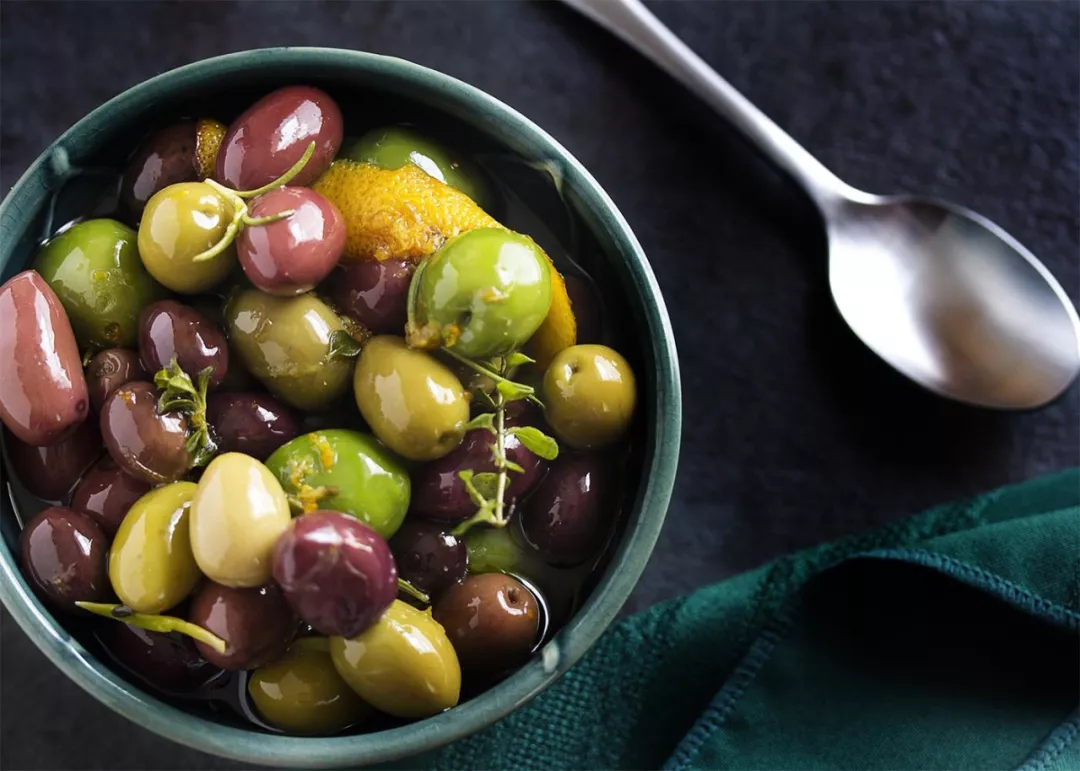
(149, 446)
(151, 566)
(183, 152)
(167, 661)
(168, 329)
(95, 270)
(106, 492)
(428, 556)
(302, 692)
(285, 342)
(238, 513)
(413, 403)
(590, 395)
(494, 550)
(110, 369)
(347, 471)
(251, 423)
(51, 472)
(43, 395)
(568, 518)
(337, 573)
(404, 665)
(492, 619)
(256, 623)
(373, 293)
(63, 558)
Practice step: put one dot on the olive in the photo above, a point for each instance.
(302, 692)
(271, 136)
(95, 270)
(413, 403)
(568, 519)
(168, 329)
(492, 619)
(337, 573)
(494, 550)
(256, 623)
(428, 556)
(347, 471)
(590, 393)
(238, 513)
(51, 472)
(63, 558)
(586, 307)
(106, 492)
(373, 293)
(483, 294)
(285, 342)
(149, 446)
(404, 665)
(182, 152)
(110, 369)
(151, 566)
(166, 661)
(43, 394)
(181, 222)
(251, 423)
(290, 256)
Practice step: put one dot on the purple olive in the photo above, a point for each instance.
(63, 556)
(586, 307)
(168, 328)
(337, 573)
(251, 423)
(568, 519)
(106, 493)
(374, 293)
(50, 472)
(110, 369)
(428, 556)
(256, 624)
(170, 662)
(149, 446)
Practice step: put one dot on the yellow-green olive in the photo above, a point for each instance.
(404, 665)
(590, 393)
(151, 566)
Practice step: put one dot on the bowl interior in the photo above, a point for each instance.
(542, 191)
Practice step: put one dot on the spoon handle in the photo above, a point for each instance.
(635, 24)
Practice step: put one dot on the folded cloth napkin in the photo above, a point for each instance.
(950, 640)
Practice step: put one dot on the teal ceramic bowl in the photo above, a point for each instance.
(551, 196)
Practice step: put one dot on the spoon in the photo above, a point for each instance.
(942, 294)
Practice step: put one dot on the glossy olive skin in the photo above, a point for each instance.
(568, 519)
(492, 619)
(164, 158)
(374, 293)
(168, 328)
(336, 572)
(274, 133)
(494, 550)
(285, 343)
(590, 393)
(51, 472)
(166, 661)
(256, 623)
(413, 403)
(428, 556)
(302, 693)
(149, 446)
(95, 270)
(110, 369)
(63, 556)
(404, 665)
(43, 393)
(290, 256)
(106, 492)
(252, 423)
(368, 482)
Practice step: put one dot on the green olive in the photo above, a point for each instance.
(180, 222)
(404, 665)
(285, 342)
(347, 471)
(590, 393)
(302, 692)
(493, 550)
(94, 269)
(413, 403)
(151, 566)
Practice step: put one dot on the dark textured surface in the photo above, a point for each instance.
(794, 434)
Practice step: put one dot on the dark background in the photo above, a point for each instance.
(793, 434)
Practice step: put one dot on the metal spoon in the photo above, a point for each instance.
(939, 292)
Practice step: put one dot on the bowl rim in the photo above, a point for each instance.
(567, 646)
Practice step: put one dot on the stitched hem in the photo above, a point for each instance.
(1056, 743)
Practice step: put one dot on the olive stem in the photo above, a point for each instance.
(480, 368)
(284, 179)
(250, 221)
(154, 623)
(412, 591)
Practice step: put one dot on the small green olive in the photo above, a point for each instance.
(404, 665)
(493, 550)
(590, 393)
(151, 565)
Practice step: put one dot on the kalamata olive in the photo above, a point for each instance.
(336, 572)
(110, 369)
(51, 472)
(149, 446)
(182, 152)
(43, 394)
(568, 518)
(273, 134)
(168, 328)
(586, 308)
(257, 623)
(63, 557)
(166, 661)
(492, 619)
(374, 293)
(428, 556)
(290, 256)
(252, 423)
(106, 492)
(590, 393)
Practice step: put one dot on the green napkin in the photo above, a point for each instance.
(947, 641)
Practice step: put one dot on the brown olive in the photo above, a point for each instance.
(182, 152)
(63, 557)
(169, 329)
(105, 493)
(256, 624)
(492, 619)
(110, 369)
(147, 445)
(50, 472)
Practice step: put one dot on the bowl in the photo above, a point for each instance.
(539, 177)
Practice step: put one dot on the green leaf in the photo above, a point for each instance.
(486, 483)
(466, 476)
(343, 346)
(536, 442)
(510, 465)
(483, 420)
(412, 591)
(512, 391)
(517, 358)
